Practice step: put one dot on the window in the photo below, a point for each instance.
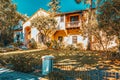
(60, 38)
(74, 39)
(74, 18)
(62, 18)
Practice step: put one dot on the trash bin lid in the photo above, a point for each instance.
(47, 57)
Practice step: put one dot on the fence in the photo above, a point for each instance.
(73, 72)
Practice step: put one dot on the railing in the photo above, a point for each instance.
(82, 73)
(73, 24)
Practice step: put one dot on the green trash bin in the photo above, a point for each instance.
(47, 64)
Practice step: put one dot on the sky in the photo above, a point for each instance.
(29, 7)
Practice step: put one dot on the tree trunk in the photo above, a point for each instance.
(89, 35)
(89, 43)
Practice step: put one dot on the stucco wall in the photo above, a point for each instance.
(60, 25)
(34, 33)
(80, 39)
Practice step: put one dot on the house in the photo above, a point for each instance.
(68, 29)
(18, 34)
(31, 32)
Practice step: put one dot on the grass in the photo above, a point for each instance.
(79, 58)
(64, 56)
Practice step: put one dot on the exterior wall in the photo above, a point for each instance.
(34, 32)
(21, 38)
(59, 33)
(28, 23)
(80, 39)
(73, 24)
(67, 33)
(73, 14)
(68, 40)
(73, 31)
(39, 13)
(60, 25)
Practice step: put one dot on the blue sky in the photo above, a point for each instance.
(29, 7)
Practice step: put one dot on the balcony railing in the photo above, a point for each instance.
(73, 24)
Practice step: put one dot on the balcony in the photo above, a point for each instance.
(73, 24)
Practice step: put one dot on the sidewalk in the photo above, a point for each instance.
(6, 74)
(23, 51)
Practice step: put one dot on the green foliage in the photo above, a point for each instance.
(85, 1)
(113, 56)
(48, 44)
(17, 44)
(89, 22)
(1, 44)
(55, 44)
(55, 76)
(80, 46)
(32, 44)
(54, 6)
(70, 47)
(4, 60)
(9, 17)
(46, 25)
(6, 36)
(27, 61)
(109, 17)
(24, 62)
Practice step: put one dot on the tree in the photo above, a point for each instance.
(9, 17)
(88, 24)
(46, 25)
(54, 6)
(109, 18)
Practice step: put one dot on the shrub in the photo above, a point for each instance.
(113, 56)
(55, 44)
(32, 44)
(80, 46)
(3, 60)
(48, 44)
(17, 44)
(55, 76)
(23, 62)
(71, 47)
(1, 45)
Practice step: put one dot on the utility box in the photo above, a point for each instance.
(47, 64)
